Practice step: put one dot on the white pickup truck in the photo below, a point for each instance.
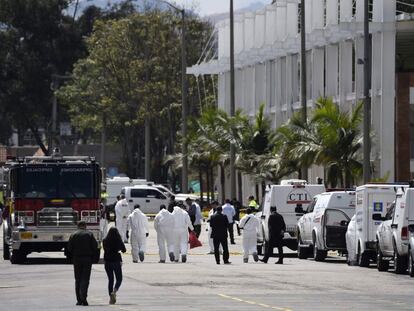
(393, 234)
(324, 225)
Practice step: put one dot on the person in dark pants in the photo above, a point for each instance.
(82, 248)
(277, 228)
(230, 212)
(219, 225)
(112, 245)
(237, 207)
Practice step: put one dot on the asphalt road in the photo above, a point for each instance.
(45, 282)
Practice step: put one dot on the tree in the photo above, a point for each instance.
(132, 73)
(331, 138)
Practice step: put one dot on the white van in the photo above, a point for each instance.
(393, 233)
(324, 225)
(148, 197)
(291, 199)
(370, 199)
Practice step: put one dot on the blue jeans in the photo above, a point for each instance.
(113, 268)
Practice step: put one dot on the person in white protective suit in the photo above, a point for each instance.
(250, 225)
(138, 223)
(182, 223)
(122, 211)
(164, 224)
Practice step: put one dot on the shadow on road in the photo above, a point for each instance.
(50, 261)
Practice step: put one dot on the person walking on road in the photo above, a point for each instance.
(82, 248)
(250, 225)
(122, 211)
(182, 223)
(212, 211)
(112, 245)
(164, 224)
(219, 225)
(237, 207)
(230, 212)
(138, 223)
(253, 204)
(194, 211)
(277, 227)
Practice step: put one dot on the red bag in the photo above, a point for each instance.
(193, 240)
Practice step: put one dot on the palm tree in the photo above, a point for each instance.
(331, 138)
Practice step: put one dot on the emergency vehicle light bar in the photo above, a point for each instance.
(56, 158)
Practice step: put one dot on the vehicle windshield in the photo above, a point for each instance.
(55, 182)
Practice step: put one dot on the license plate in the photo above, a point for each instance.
(58, 238)
(26, 235)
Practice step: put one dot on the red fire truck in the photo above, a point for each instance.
(45, 197)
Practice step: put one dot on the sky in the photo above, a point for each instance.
(207, 7)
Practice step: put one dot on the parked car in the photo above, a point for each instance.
(323, 227)
(393, 233)
(370, 199)
(411, 251)
(148, 197)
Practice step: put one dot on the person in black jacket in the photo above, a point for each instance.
(113, 261)
(219, 225)
(277, 227)
(82, 248)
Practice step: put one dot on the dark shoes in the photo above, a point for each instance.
(232, 242)
(279, 262)
(82, 303)
(255, 257)
(262, 260)
(227, 262)
(171, 256)
(183, 258)
(141, 256)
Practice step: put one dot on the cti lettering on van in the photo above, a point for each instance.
(298, 196)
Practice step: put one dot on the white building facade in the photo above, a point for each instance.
(267, 60)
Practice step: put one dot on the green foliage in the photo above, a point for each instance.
(132, 74)
(331, 138)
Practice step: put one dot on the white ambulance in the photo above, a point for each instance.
(393, 234)
(291, 199)
(370, 199)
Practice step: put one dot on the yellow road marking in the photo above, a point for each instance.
(254, 303)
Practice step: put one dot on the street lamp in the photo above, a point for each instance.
(184, 113)
(303, 91)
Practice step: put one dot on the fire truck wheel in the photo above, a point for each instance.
(6, 250)
(17, 257)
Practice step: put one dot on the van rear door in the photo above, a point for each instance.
(334, 226)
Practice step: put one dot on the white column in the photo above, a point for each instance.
(238, 34)
(281, 18)
(331, 71)
(318, 67)
(345, 10)
(317, 14)
(291, 74)
(259, 29)
(292, 20)
(387, 129)
(270, 24)
(260, 86)
(331, 12)
(248, 31)
(345, 72)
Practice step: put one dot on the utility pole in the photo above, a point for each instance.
(184, 113)
(232, 105)
(367, 99)
(303, 91)
(103, 140)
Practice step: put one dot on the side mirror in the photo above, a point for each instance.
(411, 228)
(130, 201)
(377, 217)
(344, 223)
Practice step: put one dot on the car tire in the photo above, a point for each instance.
(17, 257)
(303, 252)
(382, 265)
(319, 255)
(362, 259)
(410, 263)
(400, 263)
(6, 250)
